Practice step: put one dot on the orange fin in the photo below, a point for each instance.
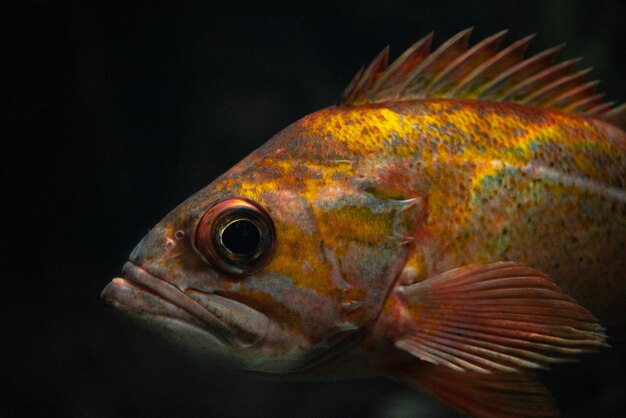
(482, 71)
(482, 395)
(500, 317)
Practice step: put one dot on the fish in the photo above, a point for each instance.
(455, 221)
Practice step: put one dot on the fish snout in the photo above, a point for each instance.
(135, 253)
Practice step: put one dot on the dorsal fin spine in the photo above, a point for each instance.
(358, 92)
(410, 58)
(347, 92)
(503, 60)
(412, 82)
(617, 110)
(491, 42)
(563, 82)
(602, 107)
(573, 94)
(482, 72)
(541, 78)
(585, 104)
(372, 73)
(617, 115)
(526, 66)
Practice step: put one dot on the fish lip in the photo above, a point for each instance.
(142, 280)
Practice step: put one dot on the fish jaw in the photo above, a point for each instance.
(209, 324)
(175, 316)
(143, 292)
(150, 311)
(195, 326)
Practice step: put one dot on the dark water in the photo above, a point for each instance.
(117, 113)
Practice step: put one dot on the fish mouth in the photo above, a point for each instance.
(139, 292)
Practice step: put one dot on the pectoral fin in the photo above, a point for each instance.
(482, 395)
(501, 317)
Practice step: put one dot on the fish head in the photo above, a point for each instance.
(272, 266)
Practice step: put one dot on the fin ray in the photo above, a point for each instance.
(500, 317)
(483, 72)
(460, 67)
(481, 395)
(491, 68)
(537, 81)
(388, 84)
(435, 62)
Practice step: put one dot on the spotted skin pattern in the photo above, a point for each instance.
(369, 202)
(502, 182)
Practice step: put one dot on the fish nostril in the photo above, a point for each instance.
(134, 254)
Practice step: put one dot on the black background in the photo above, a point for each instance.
(117, 112)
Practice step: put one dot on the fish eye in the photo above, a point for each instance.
(236, 235)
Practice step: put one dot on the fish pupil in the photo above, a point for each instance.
(241, 237)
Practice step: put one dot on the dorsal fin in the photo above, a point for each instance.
(482, 71)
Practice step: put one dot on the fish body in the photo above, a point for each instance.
(455, 241)
(498, 181)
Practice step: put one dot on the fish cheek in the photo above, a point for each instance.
(366, 237)
(299, 283)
